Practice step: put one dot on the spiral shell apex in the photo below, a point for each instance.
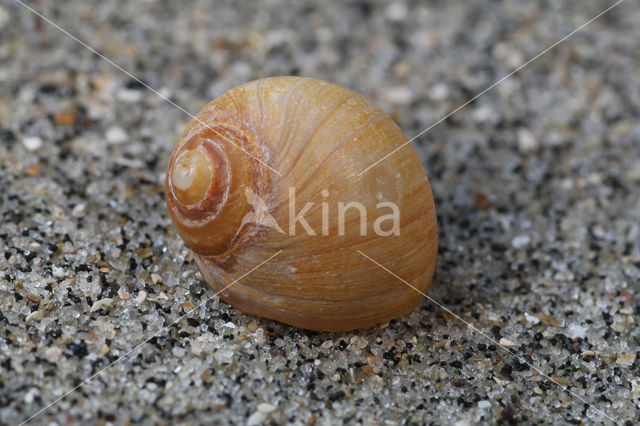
(272, 170)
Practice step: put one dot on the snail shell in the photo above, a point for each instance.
(238, 184)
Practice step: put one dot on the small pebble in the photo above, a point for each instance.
(64, 119)
(196, 348)
(129, 96)
(52, 353)
(506, 343)
(563, 381)
(256, 418)
(266, 408)
(101, 304)
(520, 241)
(78, 210)
(625, 360)
(144, 253)
(531, 319)
(30, 395)
(116, 135)
(527, 142)
(400, 95)
(459, 383)
(484, 404)
(482, 201)
(32, 143)
(33, 169)
(439, 92)
(57, 271)
(35, 316)
(576, 330)
(34, 298)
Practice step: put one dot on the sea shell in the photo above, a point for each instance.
(242, 175)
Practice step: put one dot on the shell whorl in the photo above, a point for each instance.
(205, 183)
(199, 180)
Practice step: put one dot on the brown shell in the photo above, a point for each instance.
(230, 178)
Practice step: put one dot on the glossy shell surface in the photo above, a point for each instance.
(249, 164)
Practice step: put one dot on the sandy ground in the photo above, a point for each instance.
(536, 187)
